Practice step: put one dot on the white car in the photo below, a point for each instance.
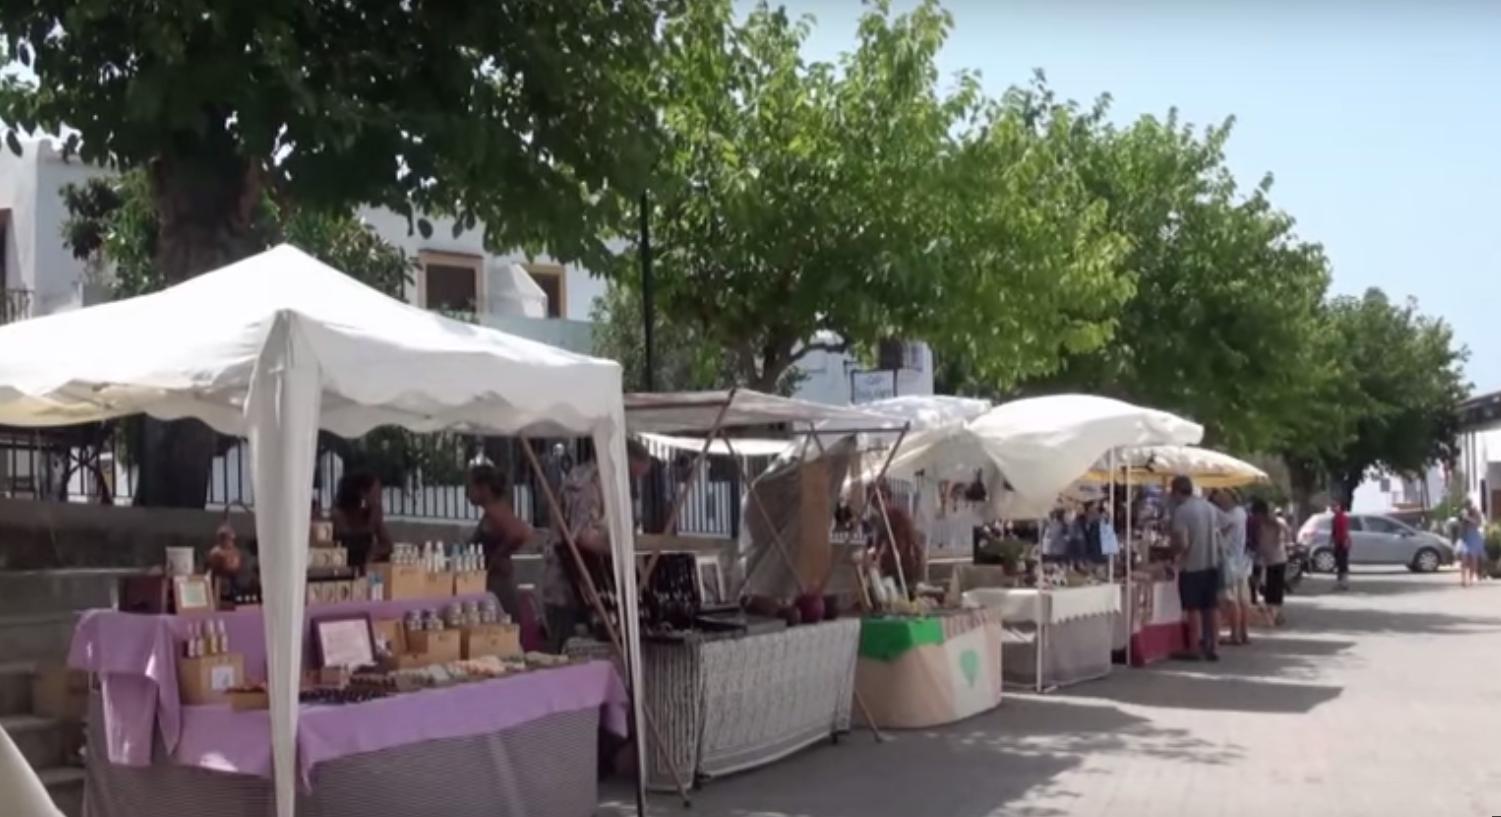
(1375, 540)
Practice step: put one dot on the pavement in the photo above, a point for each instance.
(1383, 700)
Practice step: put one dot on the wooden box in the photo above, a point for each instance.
(60, 692)
(436, 646)
(244, 700)
(392, 633)
(499, 640)
(469, 583)
(206, 680)
(439, 585)
(403, 582)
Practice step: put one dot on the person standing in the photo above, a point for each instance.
(1270, 543)
(1471, 544)
(500, 533)
(360, 519)
(1339, 537)
(1195, 544)
(1235, 587)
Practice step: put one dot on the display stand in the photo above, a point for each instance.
(917, 672)
(1064, 635)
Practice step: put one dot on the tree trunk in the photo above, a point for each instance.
(206, 197)
(1303, 482)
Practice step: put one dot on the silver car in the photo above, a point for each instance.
(1375, 540)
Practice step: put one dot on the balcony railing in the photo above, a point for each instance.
(16, 305)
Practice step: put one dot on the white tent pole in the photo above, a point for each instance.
(281, 420)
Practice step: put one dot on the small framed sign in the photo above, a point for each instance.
(345, 641)
(710, 582)
(191, 594)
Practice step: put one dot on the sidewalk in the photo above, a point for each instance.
(1382, 701)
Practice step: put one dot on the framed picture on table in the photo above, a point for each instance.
(344, 641)
(711, 591)
(192, 594)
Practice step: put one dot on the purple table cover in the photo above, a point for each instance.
(135, 657)
(220, 739)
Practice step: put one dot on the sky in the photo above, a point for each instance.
(1380, 120)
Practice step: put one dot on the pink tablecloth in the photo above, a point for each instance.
(218, 738)
(135, 657)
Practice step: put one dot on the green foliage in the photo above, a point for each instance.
(1399, 390)
(793, 198)
(684, 361)
(518, 113)
(1226, 296)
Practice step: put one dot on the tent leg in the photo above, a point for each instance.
(556, 511)
(797, 580)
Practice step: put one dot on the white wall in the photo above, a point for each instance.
(828, 377)
(35, 257)
(581, 288)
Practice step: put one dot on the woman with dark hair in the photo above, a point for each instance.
(500, 533)
(359, 520)
(1271, 554)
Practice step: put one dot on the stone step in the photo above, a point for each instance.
(25, 592)
(37, 636)
(44, 742)
(65, 784)
(15, 687)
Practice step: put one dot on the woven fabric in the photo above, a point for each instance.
(543, 768)
(885, 639)
(736, 703)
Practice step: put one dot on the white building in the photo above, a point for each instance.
(40, 275)
(905, 369)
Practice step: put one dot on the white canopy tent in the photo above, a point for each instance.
(708, 411)
(278, 346)
(1037, 447)
(929, 411)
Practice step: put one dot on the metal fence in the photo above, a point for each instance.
(92, 464)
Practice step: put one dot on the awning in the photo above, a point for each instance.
(675, 412)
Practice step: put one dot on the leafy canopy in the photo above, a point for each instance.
(514, 112)
(793, 198)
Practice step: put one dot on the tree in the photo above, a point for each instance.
(1400, 394)
(795, 200)
(517, 113)
(1226, 295)
(684, 361)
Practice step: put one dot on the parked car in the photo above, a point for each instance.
(1375, 540)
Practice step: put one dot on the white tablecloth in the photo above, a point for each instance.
(1051, 606)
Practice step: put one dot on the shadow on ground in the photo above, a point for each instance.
(989, 764)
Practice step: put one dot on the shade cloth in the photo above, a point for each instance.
(542, 768)
(515, 292)
(135, 657)
(940, 682)
(274, 348)
(887, 638)
(1209, 469)
(220, 739)
(672, 412)
(1039, 446)
(742, 447)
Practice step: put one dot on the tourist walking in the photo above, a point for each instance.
(1471, 544)
(1195, 543)
(1339, 537)
(1269, 539)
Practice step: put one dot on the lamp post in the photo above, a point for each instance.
(649, 363)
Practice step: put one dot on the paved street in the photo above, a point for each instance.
(1382, 701)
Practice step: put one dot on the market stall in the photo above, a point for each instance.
(1030, 452)
(1151, 629)
(740, 688)
(275, 348)
(921, 671)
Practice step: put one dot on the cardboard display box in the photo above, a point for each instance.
(469, 583)
(403, 582)
(436, 646)
(499, 640)
(392, 633)
(440, 585)
(243, 700)
(60, 692)
(207, 680)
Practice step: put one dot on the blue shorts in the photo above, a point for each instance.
(1199, 589)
